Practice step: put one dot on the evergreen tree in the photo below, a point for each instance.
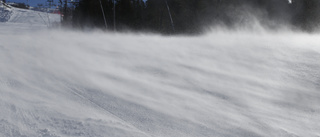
(153, 14)
(308, 14)
(125, 14)
(192, 16)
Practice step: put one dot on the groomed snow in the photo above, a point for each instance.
(56, 83)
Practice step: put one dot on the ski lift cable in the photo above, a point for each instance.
(104, 17)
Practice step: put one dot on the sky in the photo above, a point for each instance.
(30, 2)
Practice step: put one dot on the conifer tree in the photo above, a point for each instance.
(308, 16)
(192, 16)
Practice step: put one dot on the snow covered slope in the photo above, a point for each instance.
(56, 83)
(26, 17)
(33, 17)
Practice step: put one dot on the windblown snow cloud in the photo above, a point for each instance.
(239, 83)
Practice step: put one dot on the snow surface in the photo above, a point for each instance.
(56, 83)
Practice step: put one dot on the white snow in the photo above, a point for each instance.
(241, 83)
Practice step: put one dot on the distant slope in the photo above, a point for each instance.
(32, 17)
(28, 17)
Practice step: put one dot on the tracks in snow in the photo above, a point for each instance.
(79, 92)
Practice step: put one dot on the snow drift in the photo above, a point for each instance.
(65, 83)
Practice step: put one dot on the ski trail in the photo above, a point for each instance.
(32, 18)
(44, 21)
(16, 14)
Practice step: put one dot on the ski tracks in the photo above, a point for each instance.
(80, 92)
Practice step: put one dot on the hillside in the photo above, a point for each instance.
(24, 17)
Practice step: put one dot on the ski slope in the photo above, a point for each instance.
(56, 83)
(28, 19)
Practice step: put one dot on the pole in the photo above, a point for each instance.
(48, 6)
(114, 15)
(104, 17)
(65, 16)
(172, 24)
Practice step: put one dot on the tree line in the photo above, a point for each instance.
(190, 16)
